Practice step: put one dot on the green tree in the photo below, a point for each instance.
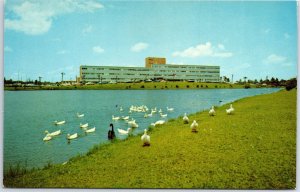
(290, 84)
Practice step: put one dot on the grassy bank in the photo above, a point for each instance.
(253, 149)
(134, 86)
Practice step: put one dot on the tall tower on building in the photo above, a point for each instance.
(149, 61)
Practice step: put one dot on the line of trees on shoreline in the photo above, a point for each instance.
(273, 82)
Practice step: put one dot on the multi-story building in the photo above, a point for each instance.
(152, 70)
(149, 61)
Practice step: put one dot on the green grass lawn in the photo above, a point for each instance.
(255, 148)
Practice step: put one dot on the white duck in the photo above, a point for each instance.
(125, 118)
(163, 115)
(55, 133)
(115, 118)
(185, 119)
(47, 138)
(194, 126)
(230, 110)
(133, 124)
(154, 110)
(84, 125)
(212, 111)
(80, 115)
(90, 130)
(170, 109)
(59, 122)
(145, 138)
(132, 121)
(123, 132)
(74, 136)
(159, 122)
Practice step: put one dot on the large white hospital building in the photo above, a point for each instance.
(155, 68)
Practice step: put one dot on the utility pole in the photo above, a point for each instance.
(232, 78)
(62, 76)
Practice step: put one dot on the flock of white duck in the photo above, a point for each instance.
(84, 127)
(146, 138)
(148, 113)
(132, 123)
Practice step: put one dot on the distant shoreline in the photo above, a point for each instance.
(137, 86)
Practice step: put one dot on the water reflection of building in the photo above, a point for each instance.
(155, 69)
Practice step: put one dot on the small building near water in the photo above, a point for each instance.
(155, 69)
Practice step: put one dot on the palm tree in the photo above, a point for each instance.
(245, 78)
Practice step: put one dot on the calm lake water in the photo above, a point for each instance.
(27, 114)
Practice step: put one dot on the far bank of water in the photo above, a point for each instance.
(28, 114)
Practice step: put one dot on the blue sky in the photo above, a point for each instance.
(252, 39)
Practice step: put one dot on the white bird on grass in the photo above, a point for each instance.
(230, 110)
(194, 126)
(159, 122)
(185, 119)
(123, 132)
(145, 139)
(212, 111)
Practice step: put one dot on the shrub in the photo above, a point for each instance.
(216, 86)
(201, 86)
(166, 87)
(290, 84)
(142, 86)
(197, 86)
(155, 86)
(177, 86)
(247, 86)
(206, 86)
(187, 86)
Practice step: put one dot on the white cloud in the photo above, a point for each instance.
(7, 49)
(35, 17)
(274, 59)
(203, 50)
(98, 49)
(139, 47)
